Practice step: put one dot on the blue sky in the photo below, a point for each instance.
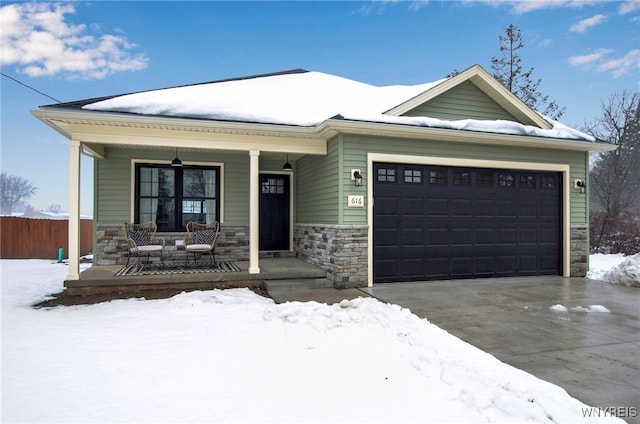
(583, 51)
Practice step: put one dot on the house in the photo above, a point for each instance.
(446, 180)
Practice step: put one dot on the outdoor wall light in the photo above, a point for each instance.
(287, 166)
(581, 185)
(176, 162)
(357, 177)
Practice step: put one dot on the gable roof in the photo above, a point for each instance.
(308, 99)
(487, 84)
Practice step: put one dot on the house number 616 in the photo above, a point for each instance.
(355, 202)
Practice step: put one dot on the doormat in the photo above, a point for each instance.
(159, 269)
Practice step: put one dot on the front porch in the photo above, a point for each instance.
(273, 271)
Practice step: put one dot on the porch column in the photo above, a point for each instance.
(74, 210)
(254, 212)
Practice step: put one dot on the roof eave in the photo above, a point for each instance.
(333, 127)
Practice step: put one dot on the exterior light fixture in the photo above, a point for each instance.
(287, 166)
(176, 162)
(357, 177)
(582, 186)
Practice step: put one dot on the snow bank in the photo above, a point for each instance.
(233, 356)
(616, 269)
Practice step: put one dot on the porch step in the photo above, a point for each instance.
(298, 284)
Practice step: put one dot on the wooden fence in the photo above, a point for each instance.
(26, 238)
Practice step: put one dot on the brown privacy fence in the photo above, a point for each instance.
(26, 238)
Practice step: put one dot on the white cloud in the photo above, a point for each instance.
(524, 6)
(588, 59)
(622, 66)
(37, 38)
(629, 6)
(630, 62)
(585, 24)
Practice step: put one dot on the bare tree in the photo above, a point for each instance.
(13, 190)
(509, 71)
(615, 175)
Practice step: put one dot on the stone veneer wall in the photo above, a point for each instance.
(111, 245)
(341, 250)
(579, 251)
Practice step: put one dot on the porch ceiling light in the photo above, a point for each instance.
(176, 161)
(287, 166)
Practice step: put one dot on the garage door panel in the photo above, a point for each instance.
(387, 205)
(462, 237)
(413, 206)
(462, 208)
(437, 207)
(528, 236)
(386, 237)
(507, 236)
(448, 222)
(507, 209)
(485, 208)
(438, 237)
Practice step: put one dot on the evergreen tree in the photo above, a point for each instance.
(509, 71)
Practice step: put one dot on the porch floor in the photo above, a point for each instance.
(103, 278)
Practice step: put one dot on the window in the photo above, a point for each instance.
(461, 178)
(386, 175)
(272, 185)
(527, 181)
(437, 176)
(171, 197)
(505, 180)
(548, 181)
(413, 176)
(484, 178)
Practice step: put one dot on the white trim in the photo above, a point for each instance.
(488, 85)
(254, 212)
(291, 200)
(135, 161)
(75, 151)
(565, 169)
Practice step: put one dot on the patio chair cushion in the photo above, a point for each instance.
(140, 237)
(198, 247)
(204, 237)
(150, 248)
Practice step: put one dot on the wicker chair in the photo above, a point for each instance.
(202, 238)
(141, 238)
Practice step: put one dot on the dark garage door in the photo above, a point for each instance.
(436, 223)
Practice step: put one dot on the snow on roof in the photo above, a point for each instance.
(305, 99)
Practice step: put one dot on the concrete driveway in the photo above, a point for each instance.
(595, 356)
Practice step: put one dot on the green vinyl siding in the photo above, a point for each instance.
(317, 187)
(113, 175)
(465, 101)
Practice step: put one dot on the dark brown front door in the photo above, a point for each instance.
(274, 212)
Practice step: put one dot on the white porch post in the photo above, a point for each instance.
(254, 212)
(74, 210)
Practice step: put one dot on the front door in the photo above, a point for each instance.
(274, 212)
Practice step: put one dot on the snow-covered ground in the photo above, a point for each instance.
(233, 356)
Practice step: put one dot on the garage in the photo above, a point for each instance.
(446, 222)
